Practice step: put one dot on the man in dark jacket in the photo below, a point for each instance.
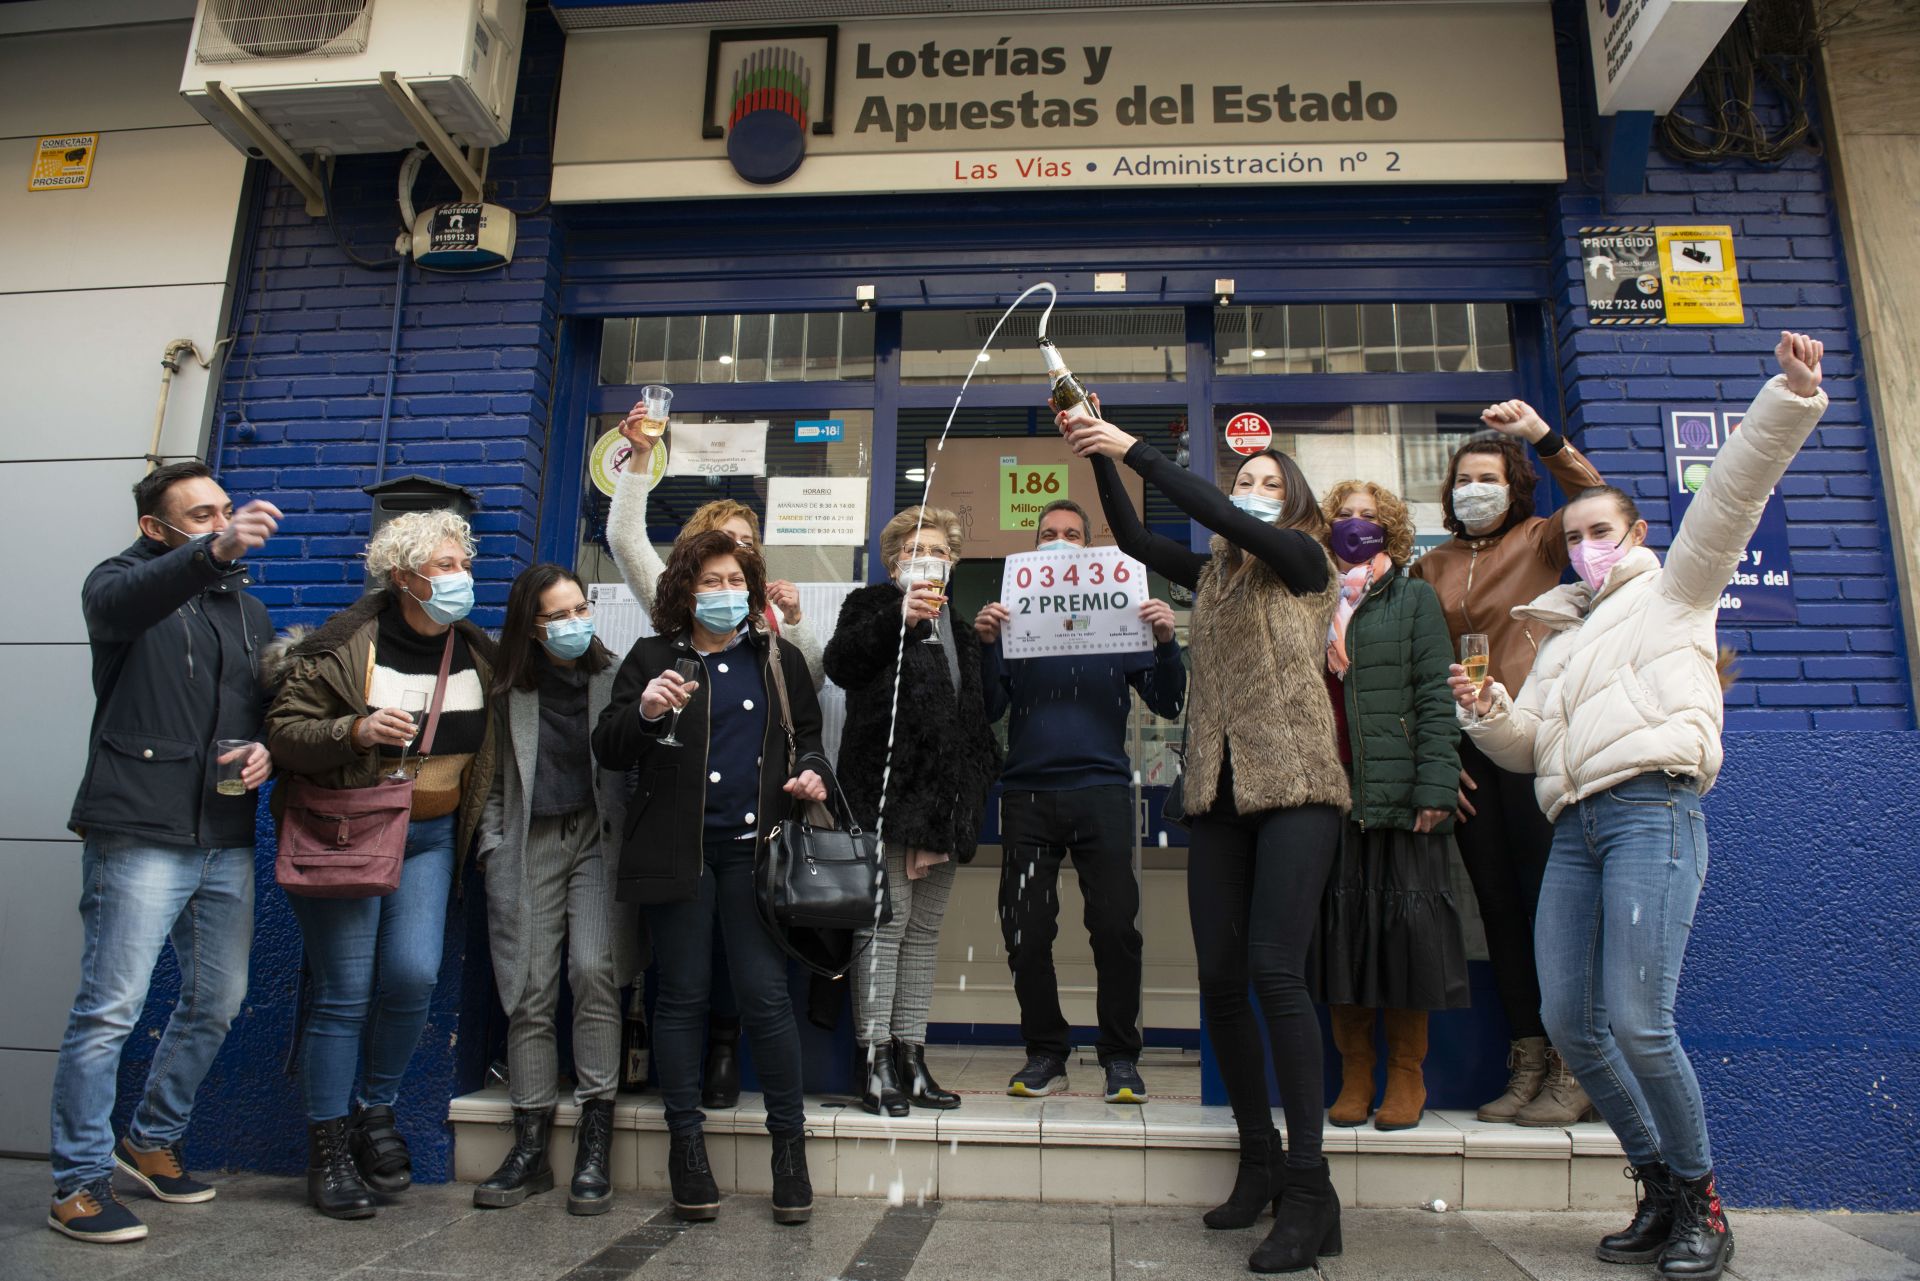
(168, 849)
(1068, 789)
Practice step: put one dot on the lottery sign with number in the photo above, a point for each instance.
(1085, 600)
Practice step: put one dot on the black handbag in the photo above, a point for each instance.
(1173, 811)
(818, 868)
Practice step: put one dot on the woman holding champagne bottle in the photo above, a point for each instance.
(550, 848)
(917, 727)
(1502, 555)
(1620, 721)
(339, 719)
(1265, 795)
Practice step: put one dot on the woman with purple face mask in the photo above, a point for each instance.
(1620, 721)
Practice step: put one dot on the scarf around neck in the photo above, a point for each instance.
(1354, 586)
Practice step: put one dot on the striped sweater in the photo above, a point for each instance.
(407, 662)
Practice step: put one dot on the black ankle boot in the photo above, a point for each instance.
(910, 1063)
(880, 1091)
(1255, 1183)
(722, 1072)
(526, 1171)
(1652, 1224)
(592, 1190)
(696, 1197)
(792, 1188)
(1702, 1244)
(378, 1149)
(333, 1184)
(1306, 1223)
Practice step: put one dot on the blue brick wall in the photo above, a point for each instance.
(1843, 665)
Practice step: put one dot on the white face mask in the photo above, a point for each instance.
(925, 569)
(1056, 545)
(1258, 507)
(1481, 505)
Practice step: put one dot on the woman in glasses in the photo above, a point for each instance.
(550, 848)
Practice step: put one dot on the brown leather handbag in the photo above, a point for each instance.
(350, 842)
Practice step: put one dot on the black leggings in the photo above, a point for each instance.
(1504, 846)
(1254, 883)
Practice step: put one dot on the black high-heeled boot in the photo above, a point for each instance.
(696, 1197)
(334, 1186)
(1702, 1244)
(721, 1075)
(910, 1062)
(1306, 1222)
(1652, 1224)
(592, 1189)
(880, 1082)
(525, 1172)
(1255, 1183)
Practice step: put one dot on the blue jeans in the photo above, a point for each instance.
(373, 963)
(1615, 912)
(135, 896)
(683, 950)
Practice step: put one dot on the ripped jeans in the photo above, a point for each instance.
(1616, 909)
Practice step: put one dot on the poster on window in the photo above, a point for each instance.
(816, 511)
(1761, 589)
(717, 449)
(1084, 600)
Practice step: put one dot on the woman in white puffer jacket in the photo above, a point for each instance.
(1620, 721)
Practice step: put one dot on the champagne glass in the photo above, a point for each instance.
(935, 572)
(413, 702)
(687, 669)
(1474, 656)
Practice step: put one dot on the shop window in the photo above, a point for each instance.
(750, 348)
(1112, 344)
(1363, 338)
(1402, 447)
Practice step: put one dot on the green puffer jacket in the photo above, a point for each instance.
(1400, 720)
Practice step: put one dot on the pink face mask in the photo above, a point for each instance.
(1593, 558)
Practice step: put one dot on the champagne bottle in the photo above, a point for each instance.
(633, 1043)
(1068, 391)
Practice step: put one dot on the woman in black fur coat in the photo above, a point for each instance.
(944, 760)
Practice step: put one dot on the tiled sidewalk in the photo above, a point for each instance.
(260, 1230)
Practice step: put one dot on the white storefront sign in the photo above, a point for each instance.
(1646, 52)
(1231, 96)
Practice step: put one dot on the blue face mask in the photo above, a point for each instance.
(452, 598)
(569, 637)
(1057, 545)
(720, 611)
(1267, 509)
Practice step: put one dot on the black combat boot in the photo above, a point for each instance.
(1702, 1244)
(526, 1171)
(1646, 1236)
(334, 1186)
(378, 1149)
(592, 1190)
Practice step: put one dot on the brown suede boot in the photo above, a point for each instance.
(1406, 1094)
(1561, 1101)
(1527, 1065)
(1353, 1037)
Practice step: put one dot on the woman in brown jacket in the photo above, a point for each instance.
(1501, 556)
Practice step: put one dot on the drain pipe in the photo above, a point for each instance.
(169, 366)
(393, 365)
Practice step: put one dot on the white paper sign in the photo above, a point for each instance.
(1082, 601)
(816, 511)
(718, 449)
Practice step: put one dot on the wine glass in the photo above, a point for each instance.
(413, 702)
(687, 669)
(936, 572)
(1474, 656)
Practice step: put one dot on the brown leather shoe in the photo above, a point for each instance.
(1561, 1101)
(1527, 1065)
(1353, 1037)
(1406, 1096)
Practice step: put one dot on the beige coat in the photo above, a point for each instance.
(1626, 683)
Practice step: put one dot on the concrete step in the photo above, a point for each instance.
(1081, 1150)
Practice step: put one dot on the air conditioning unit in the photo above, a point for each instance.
(348, 76)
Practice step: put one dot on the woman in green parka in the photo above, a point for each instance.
(1389, 930)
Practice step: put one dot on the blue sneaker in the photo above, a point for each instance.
(161, 1171)
(1123, 1082)
(1042, 1075)
(94, 1213)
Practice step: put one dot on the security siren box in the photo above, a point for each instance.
(463, 237)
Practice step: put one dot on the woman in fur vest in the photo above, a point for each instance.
(1266, 798)
(341, 719)
(1620, 723)
(925, 739)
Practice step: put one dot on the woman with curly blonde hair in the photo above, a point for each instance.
(1389, 932)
